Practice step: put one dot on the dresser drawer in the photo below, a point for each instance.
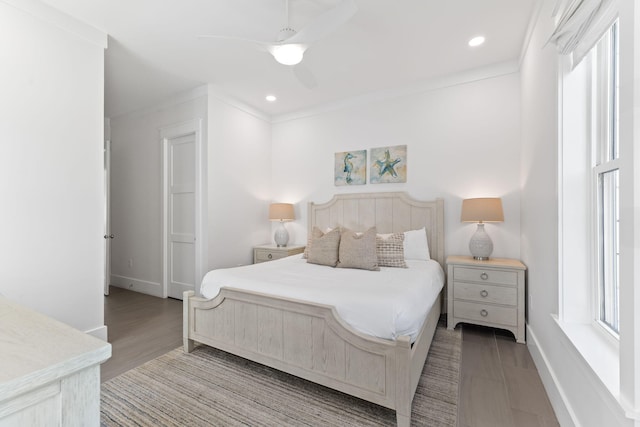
(262, 255)
(500, 277)
(485, 293)
(486, 313)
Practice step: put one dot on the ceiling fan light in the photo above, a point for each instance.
(288, 54)
(476, 41)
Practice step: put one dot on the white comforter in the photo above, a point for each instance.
(387, 304)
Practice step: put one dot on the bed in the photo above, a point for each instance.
(310, 339)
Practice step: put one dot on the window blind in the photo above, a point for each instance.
(581, 25)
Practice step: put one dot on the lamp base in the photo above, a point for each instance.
(281, 236)
(481, 245)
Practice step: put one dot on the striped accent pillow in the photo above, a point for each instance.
(390, 250)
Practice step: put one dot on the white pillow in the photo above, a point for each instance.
(416, 245)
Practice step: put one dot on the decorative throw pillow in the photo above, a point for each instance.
(416, 245)
(390, 250)
(358, 250)
(316, 232)
(324, 249)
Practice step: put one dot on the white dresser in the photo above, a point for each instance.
(490, 293)
(49, 372)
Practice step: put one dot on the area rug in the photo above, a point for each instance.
(209, 387)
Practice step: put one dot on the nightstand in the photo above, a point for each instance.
(265, 253)
(489, 293)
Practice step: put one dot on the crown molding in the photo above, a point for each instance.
(217, 93)
(488, 72)
(176, 99)
(206, 90)
(59, 19)
(537, 8)
(212, 91)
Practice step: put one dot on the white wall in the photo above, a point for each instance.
(51, 164)
(462, 141)
(239, 181)
(237, 167)
(539, 214)
(136, 190)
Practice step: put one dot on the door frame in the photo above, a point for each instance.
(166, 134)
(107, 216)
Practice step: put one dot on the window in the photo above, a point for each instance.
(604, 137)
(598, 210)
(590, 177)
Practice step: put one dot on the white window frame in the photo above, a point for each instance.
(603, 133)
(578, 315)
(615, 363)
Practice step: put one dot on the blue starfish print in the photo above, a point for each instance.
(387, 165)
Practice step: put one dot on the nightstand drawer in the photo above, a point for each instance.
(262, 255)
(485, 293)
(486, 313)
(488, 275)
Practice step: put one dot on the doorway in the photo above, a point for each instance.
(182, 248)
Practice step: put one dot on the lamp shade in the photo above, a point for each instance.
(281, 212)
(482, 210)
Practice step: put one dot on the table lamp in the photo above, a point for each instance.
(481, 210)
(281, 212)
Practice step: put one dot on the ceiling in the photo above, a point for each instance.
(154, 50)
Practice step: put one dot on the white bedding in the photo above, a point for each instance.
(387, 304)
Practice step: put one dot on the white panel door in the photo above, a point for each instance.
(181, 215)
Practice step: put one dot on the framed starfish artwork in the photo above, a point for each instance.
(350, 168)
(388, 164)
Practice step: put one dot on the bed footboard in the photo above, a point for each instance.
(309, 341)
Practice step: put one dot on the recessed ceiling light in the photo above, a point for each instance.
(270, 98)
(476, 41)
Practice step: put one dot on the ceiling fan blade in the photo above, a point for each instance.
(326, 23)
(305, 76)
(265, 46)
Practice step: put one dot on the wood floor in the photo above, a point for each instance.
(499, 383)
(140, 327)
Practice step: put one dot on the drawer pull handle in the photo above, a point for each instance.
(484, 276)
(484, 313)
(484, 293)
(270, 256)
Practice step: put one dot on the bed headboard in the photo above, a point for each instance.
(388, 212)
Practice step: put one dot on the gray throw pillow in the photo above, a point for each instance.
(358, 250)
(315, 233)
(324, 249)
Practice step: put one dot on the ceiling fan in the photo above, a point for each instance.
(290, 45)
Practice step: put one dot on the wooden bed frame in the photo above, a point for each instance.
(310, 340)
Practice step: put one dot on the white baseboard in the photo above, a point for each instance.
(100, 333)
(558, 400)
(597, 406)
(142, 286)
